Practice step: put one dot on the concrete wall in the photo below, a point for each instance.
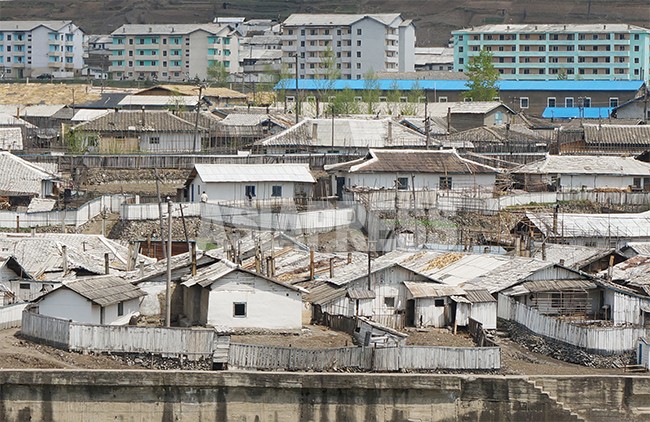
(243, 396)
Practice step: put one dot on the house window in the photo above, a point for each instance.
(442, 99)
(276, 191)
(445, 182)
(120, 309)
(568, 102)
(523, 102)
(613, 102)
(550, 102)
(250, 191)
(239, 309)
(556, 300)
(438, 303)
(636, 183)
(586, 102)
(24, 286)
(402, 183)
(154, 140)
(389, 302)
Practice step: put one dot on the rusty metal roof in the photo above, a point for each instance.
(422, 290)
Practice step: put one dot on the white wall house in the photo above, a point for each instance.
(412, 169)
(359, 44)
(579, 173)
(98, 300)
(231, 298)
(237, 182)
(33, 48)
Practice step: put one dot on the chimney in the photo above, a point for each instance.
(314, 131)
(448, 119)
(610, 269)
(64, 255)
(143, 115)
(562, 262)
(389, 136)
(106, 269)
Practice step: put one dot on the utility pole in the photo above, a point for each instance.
(196, 121)
(168, 296)
(297, 96)
(426, 116)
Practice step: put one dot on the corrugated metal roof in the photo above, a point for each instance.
(479, 296)
(571, 254)
(586, 164)
(40, 205)
(348, 133)
(641, 248)
(241, 119)
(461, 85)
(8, 119)
(85, 115)
(616, 226)
(422, 290)
(324, 293)
(616, 134)
(233, 173)
(418, 161)
(360, 293)
(193, 90)
(549, 286)
(465, 107)
(576, 112)
(21, 177)
(105, 290)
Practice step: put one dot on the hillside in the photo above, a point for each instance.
(434, 19)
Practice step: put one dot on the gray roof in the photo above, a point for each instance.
(332, 19)
(539, 28)
(169, 101)
(594, 225)
(30, 25)
(242, 119)
(586, 164)
(465, 107)
(550, 286)
(21, 177)
(137, 121)
(348, 133)
(478, 295)
(616, 134)
(414, 161)
(423, 290)
(640, 248)
(105, 290)
(168, 29)
(573, 255)
(234, 173)
(11, 138)
(360, 293)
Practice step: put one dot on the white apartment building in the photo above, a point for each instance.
(358, 43)
(33, 48)
(172, 52)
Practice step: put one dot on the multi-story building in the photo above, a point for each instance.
(355, 44)
(33, 48)
(172, 52)
(590, 51)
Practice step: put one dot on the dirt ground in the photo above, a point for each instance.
(18, 353)
(438, 337)
(312, 337)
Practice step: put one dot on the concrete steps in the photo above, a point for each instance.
(548, 388)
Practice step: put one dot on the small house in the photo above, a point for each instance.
(21, 180)
(472, 114)
(566, 173)
(107, 300)
(231, 298)
(238, 182)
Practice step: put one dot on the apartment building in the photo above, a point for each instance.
(591, 51)
(172, 52)
(33, 48)
(356, 43)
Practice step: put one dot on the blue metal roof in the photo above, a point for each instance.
(576, 112)
(460, 85)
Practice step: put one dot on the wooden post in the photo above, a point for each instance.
(64, 255)
(106, 268)
(193, 249)
(331, 267)
(168, 296)
(311, 263)
(17, 224)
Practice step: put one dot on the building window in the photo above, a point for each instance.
(154, 140)
(439, 303)
(120, 308)
(445, 182)
(358, 54)
(250, 191)
(523, 102)
(586, 102)
(389, 301)
(24, 286)
(239, 309)
(402, 183)
(276, 191)
(613, 102)
(568, 102)
(550, 102)
(442, 99)
(359, 31)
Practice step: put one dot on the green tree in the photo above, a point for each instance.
(562, 75)
(370, 93)
(411, 107)
(284, 78)
(482, 78)
(326, 77)
(344, 103)
(393, 97)
(218, 73)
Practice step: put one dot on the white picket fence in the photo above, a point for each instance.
(10, 316)
(73, 217)
(247, 356)
(602, 340)
(167, 342)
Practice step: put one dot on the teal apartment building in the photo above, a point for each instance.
(557, 51)
(172, 52)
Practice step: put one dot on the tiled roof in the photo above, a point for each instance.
(617, 134)
(193, 91)
(615, 226)
(137, 121)
(20, 177)
(586, 164)
(11, 138)
(104, 290)
(415, 161)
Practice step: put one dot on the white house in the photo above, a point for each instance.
(21, 178)
(106, 300)
(231, 298)
(583, 172)
(412, 169)
(235, 182)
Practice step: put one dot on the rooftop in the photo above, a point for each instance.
(616, 226)
(596, 134)
(234, 173)
(299, 19)
(586, 164)
(30, 25)
(105, 290)
(168, 29)
(20, 177)
(541, 28)
(137, 121)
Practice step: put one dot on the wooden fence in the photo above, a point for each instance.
(364, 332)
(479, 335)
(247, 356)
(600, 340)
(10, 316)
(168, 342)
